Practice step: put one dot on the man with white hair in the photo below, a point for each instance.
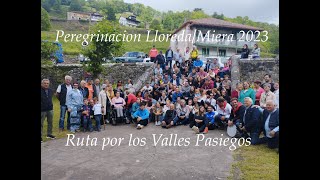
(270, 117)
(61, 94)
(96, 88)
(183, 112)
(249, 123)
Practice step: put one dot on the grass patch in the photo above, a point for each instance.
(55, 124)
(255, 162)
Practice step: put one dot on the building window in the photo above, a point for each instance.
(222, 52)
(205, 51)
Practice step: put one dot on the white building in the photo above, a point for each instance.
(215, 43)
(129, 21)
(76, 16)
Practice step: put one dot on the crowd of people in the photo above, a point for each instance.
(182, 91)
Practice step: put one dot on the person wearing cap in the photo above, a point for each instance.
(267, 95)
(103, 101)
(141, 116)
(259, 90)
(74, 102)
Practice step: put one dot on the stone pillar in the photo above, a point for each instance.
(235, 72)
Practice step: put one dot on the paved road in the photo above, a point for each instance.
(142, 162)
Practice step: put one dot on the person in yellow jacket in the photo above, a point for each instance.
(194, 53)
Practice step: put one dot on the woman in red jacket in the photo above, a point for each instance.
(235, 93)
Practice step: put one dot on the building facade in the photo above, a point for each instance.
(76, 16)
(214, 37)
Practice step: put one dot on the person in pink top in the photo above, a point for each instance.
(259, 90)
(118, 103)
(202, 73)
(153, 53)
(216, 70)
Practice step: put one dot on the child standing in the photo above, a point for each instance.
(97, 113)
(157, 111)
(87, 124)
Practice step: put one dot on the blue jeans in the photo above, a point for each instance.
(163, 66)
(169, 62)
(177, 121)
(87, 124)
(63, 110)
(97, 118)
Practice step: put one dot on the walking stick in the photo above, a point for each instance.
(104, 123)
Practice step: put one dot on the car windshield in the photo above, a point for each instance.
(131, 54)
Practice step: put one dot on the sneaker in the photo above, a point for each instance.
(168, 126)
(141, 126)
(206, 130)
(107, 121)
(158, 123)
(138, 126)
(51, 136)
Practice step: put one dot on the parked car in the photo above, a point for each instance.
(130, 57)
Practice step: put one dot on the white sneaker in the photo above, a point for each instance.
(138, 126)
(157, 123)
(141, 126)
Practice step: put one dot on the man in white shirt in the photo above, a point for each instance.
(147, 88)
(61, 94)
(223, 112)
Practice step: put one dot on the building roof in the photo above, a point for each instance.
(86, 13)
(213, 22)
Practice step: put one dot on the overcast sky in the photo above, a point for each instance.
(257, 10)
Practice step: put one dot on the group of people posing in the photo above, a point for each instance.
(186, 92)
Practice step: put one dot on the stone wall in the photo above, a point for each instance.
(251, 70)
(139, 73)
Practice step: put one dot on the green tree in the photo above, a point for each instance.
(45, 21)
(46, 6)
(155, 25)
(75, 5)
(111, 15)
(47, 50)
(199, 14)
(57, 5)
(97, 50)
(168, 23)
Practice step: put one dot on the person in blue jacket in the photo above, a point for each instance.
(176, 94)
(249, 127)
(197, 63)
(141, 116)
(210, 119)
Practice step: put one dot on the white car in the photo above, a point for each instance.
(147, 60)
